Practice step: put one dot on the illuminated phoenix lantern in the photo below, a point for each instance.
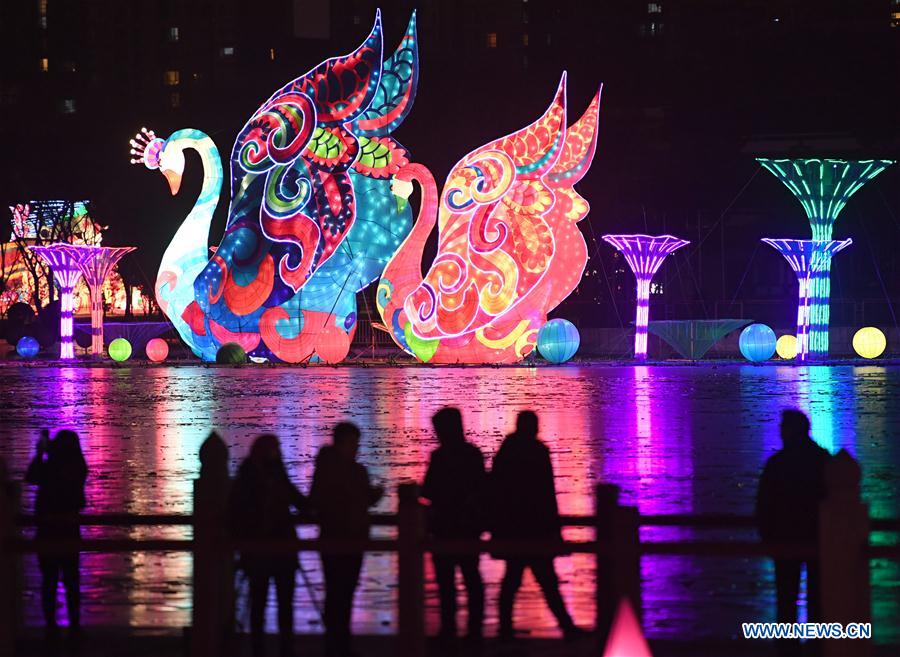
(509, 248)
(312, 219)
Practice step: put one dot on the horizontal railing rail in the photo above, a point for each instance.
(517, 547)
(680, 520)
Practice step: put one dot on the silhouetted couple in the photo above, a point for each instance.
(59, 471)
(260, 508)
(516, 501)
(791, 488)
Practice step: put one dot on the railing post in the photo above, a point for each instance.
(10, 595)
(618, 571)
(411, 575)
(627, 550)
(213, 609)
(606, 501)
(843, 562)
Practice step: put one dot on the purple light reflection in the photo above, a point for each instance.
(676, 439)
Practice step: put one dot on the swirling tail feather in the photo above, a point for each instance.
(396, 91)
(579, 147)
(493, 217)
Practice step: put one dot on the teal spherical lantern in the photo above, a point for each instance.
(231, 353)
(558, 340)
(119, 350)
(757, 343)
(28, 347)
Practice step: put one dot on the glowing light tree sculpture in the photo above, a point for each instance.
(96, 263)
(644, 254)
(811, 261)
(67, 274)
(823, 187)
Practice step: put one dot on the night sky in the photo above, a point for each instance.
(692, 93)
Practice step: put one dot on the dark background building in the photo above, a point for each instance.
(694, 89)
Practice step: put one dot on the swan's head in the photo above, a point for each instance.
(155, 153)
(402, 189)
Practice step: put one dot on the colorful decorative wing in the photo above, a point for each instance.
(495, 243)
(507, 210)
(312, 219)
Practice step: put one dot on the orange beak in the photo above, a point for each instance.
(174, 179)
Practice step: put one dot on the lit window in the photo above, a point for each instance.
(172, 78)
(356, 19)
(45, 64)
(525, 18)
(173, 34)
(227, 51)
(492, 40)
(42, 9)
(175, 99)
(654, 8)
(67, 106)
(525, 39)
(656, 288)
(272, 54)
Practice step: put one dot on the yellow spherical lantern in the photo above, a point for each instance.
(869, 342)
(786, 347)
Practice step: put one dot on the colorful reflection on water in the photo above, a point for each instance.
(676, 439)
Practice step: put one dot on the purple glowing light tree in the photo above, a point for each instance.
(96, 263)
(644, 254)
(811, 261)
(67, 273)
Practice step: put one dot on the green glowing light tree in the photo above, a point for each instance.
(823, 187)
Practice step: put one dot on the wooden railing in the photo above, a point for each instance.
(843, 552)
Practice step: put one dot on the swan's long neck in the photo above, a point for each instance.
(403, 273)
(188, 252)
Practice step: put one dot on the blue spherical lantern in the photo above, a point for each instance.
(757, 343)
(27, 347)
(558, 340)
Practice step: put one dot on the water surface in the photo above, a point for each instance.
(677, 439)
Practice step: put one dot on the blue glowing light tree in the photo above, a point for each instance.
(67, 274)
(811, 261)
(644, 254)
(823, 187)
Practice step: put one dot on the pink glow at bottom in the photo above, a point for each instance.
(626, 638)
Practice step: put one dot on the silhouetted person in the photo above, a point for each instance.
(524, 507)
(59, 471)
(791, 487)
(341, 496)
(455, 485)
(260, 508)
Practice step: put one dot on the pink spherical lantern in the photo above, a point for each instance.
(157, 350)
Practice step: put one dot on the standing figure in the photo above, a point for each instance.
(340, 497)
(260, 508)
(524, 508)
(455, 485)
(59, 471)
(791, 487)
